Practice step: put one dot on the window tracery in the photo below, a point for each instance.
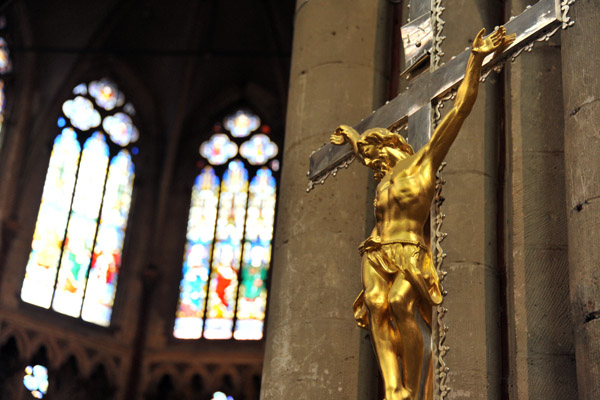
(76, 249)
(227, 257)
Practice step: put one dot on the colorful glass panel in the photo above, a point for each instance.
(62, 270)
(239, 263)
(81, 229)
(106, 94)
(221, 396)
(5, 64)
(252, 297)
(120, 128)
(36, 380)
(227, 252)
(218, 149)
(259, 149)
(40, 273)
(106, 260)
(81, 112)
(200, 235)
(80, 89)
(242, 123)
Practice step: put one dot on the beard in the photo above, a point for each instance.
(379, 166)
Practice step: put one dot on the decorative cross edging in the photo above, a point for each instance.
(441, 329)
(537, 23)
(565, 5)
(438, 23)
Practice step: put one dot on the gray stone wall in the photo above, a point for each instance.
(314, 348)
(540, 341)
(580, 60)
(471, 208)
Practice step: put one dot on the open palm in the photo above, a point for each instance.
(497, 40)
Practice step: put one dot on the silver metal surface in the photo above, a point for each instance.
(417, 41)
(418, 8)
(419, 127)
(534, 22)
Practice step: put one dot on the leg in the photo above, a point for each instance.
(403, 300)
(383, 334)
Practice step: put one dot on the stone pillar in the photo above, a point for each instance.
(581, 90)
(471, 211)
(314, 350)
(541, 359)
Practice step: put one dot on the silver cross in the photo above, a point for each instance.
(537, 23)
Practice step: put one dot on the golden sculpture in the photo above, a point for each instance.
(397, 271)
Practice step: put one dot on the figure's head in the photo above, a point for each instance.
(382, 149)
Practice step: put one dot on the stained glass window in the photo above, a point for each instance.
(252, 297)
(5, 68)
(200, 235)
(106, 94)
(120, 128)
(227, 253)
(219, 149)
(223, 292)
(36, 380)
(259, 149)
(5, 63)
(79, 235)
(82, 113)
(221, 396)
(242, 123)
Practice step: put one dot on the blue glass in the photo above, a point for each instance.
(36, 380)
(200, 235)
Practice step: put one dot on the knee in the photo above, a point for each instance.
(401, 305)
(375, 301)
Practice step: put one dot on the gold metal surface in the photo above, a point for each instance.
(399, 279)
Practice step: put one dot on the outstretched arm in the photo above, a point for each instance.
(345, 133)
(447, 130)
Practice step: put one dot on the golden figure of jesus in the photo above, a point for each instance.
(398, 275)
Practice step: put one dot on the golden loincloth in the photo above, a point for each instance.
(388, 259)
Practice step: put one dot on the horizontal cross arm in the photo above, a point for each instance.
(534, 22)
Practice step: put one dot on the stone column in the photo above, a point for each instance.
(314, 350)
(541, 359)
(581, 90)
(471, 211)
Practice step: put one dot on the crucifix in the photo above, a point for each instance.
(536, 23)
(397, 248)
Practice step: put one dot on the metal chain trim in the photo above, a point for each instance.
(439, 335)
(345, 164)
(438, 38)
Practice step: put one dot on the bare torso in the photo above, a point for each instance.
(402, 201)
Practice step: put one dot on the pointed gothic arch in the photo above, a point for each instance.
(227, 256)
(77, 244)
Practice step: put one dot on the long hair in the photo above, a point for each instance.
(372, 140)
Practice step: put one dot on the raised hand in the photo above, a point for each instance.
(497, 41)
(346, 134)
(340, 135)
